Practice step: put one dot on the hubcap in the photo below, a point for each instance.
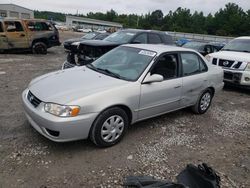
(205, 101)
(112, 128)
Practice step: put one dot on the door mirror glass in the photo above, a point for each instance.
(153, 78)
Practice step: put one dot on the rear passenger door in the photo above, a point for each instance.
(194, 73)
(16, 34)
(3, 38)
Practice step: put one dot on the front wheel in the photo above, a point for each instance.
(203, 103)
(109, 127)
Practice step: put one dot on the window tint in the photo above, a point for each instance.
(142, 38)
(154, 38)
(1, 27)
(192, 64)
(167, 66)
(12, 26)
(39, 26)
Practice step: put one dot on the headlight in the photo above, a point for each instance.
(248, 67)
(61, 110)
(208, 58)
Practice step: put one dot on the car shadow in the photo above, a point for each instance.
(237, 89)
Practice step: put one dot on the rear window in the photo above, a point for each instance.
(39, 26)
(1, 27)
(12, 26)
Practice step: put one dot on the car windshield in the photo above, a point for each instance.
(89, 36)
(193, 45)
(123, 62)
(120, 37)
(240, 45)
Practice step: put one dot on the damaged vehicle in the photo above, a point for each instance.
(36, 35)
(85, 52)
(88, 36)
(128, 84)
(234, 58)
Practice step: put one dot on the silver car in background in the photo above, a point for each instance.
(126, 85)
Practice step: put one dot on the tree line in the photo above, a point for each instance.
(231, 20)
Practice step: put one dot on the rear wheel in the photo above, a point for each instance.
(203, 103)
(39, 48)
(109, 127)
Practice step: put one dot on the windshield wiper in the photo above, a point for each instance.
(104, 71)
(110, 73)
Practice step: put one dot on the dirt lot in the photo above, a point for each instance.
(160, 147)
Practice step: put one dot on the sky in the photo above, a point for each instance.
(126, 6)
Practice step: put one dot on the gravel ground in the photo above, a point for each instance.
(160, 147)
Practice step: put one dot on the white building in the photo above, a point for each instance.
(88, 23)
(15, 11)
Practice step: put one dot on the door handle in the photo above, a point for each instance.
(2, 35)
(177, 87)
(22, 35)
(205, 80)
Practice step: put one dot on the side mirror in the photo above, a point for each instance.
(153, 78)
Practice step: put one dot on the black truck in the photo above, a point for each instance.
(85, 52)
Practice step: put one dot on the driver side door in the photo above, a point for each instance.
(161, 97)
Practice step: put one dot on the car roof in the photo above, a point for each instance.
(141, 30)
(243, 37)
(159, 48)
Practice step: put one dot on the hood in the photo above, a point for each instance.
(72, 40)
(231, 55)
(68, 85)
(99, 43)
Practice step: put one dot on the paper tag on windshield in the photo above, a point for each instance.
(147, 53)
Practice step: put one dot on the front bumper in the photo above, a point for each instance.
(55, 128)
(237, 77)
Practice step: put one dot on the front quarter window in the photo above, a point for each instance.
(124, 62)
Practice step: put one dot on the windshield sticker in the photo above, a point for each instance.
(147, 53)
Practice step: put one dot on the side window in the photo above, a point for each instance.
(1, 27)
(154, 38)
(141, 39)
(167, 66)
(39, 26)
(12, 26)
(208, 49)
(192, 64)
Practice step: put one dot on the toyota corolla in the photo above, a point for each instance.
(126, 85)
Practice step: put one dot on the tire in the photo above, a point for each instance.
(203, 103)
(104, 133)
(39, 48)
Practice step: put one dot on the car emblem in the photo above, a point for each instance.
(31, 98)
(225, 63)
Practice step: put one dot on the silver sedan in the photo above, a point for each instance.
(126, 85)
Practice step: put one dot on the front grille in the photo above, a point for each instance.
(228, 76)
(33, 99)
(225, 63)
(214, 62)
(237, 65)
